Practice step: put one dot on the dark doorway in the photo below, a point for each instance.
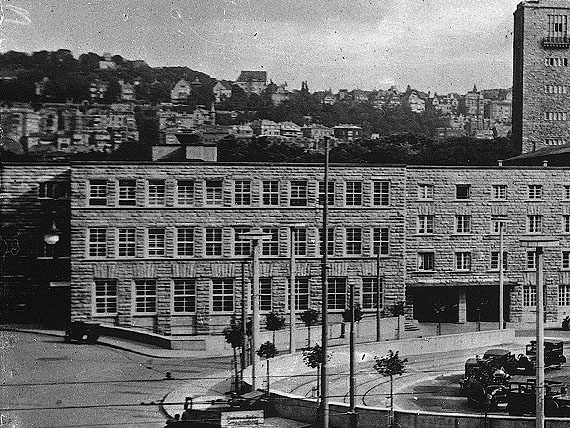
(435, 304)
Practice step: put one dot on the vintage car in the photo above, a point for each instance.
(553, 353)
(521, 399)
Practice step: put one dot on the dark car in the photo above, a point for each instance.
(553, 353)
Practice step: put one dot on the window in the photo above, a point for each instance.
(301, 293)
(300, 237)
(185, 241)
(145, 296)
(223, 295)
(462, 191)
(214, 192)
(184, 295)
(496, 226)
(265, 294)
(495, 260)
(426, 261)
(185, 192)
(213, 241)
(105, 296)
(127, 192)
(534, 224)
(425, 191)
(381, 240)
(425, 224)
(463, 260)
(330, 241)
(336, 293)
(565, 259)
(381, 193)
(242, 192)
(556, 62)
(499, 191)
(535, 191)
(555, 115)
(564, 295)
(270, 193)
(529, 295)
(555, 89)
(270, 247)
(98, 192)
(353, 195)
(298, 196)
(126, 242)
(156, 192)
(330, 193)
(371, 294)
(54, 190)
(557, 25)
(463, 223)
(242, 246)
(353, 241)
(566, 223)
(566, 191)
(156, 242)
(97, 242)
(531, 260)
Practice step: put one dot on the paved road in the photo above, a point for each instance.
(47, 383)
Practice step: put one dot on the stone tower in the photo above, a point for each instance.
(541, 77)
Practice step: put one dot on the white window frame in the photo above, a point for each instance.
(353, 241)
(337, 293)
(529, 295)
(265, 294)
(426, 261)
(127, 193)
(298, 193)
(126, 242)
(223, 295)
(185, 192)
(242, 246)
(302, 293)
(425, 192)
(105, 296)
(463, 261)
(531, 260)
(381, 241)
(156, 193)
(145, 296)
(242, 192)
(270, 247)
(213, 241)
(534, 223)
(369, 293)
(301, 241)
(184, 296)
(381, 193)
(353, 195)
(563, 295)
(463, 224)
(185, 241)
(97, 242)
(535, 191)
(494, 266)
(214, 193)
(270, 193)
(500, 191)
(156, 242)
(565, 260)
(98, 192)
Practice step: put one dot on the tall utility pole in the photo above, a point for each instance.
(244, 312)
(502, 221)
(538, 243)
(256, 236)
(324, 411)
(352, 381)
(292, 295)
(378, 297)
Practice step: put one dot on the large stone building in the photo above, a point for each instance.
(541, 79)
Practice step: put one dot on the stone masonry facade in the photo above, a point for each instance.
(541, 82)
(435, 228)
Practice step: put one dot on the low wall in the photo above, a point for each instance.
(305, 410)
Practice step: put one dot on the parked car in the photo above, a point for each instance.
(521, 399)
(553, 353)
(566, 323)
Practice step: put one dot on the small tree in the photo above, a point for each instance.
(390, 366)
(310, 318)
(397, 310)
(313, 358)
(267, 350)
(347, 315)
(274, 322)
(234, 336)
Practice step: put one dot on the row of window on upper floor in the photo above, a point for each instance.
(462, 261)
(211, 241)
(242, 192)
(464, 191)
(223, 294)
(463, 224)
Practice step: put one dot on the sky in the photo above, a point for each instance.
(433, 45)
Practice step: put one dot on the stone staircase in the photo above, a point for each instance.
(410, 326)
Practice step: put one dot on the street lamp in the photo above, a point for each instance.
(255, 236)
(51, 237)
(501, 221)
(538, 243)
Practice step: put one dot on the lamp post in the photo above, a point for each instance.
(255, 236)
(502, 221)
(324, 410)
(352, 363)
(538, 243)
(378, 297)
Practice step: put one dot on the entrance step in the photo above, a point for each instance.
(408, 326)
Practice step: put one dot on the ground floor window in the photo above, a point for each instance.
(265, 294)
(564, 295)
(337, 293)
(301, 294)
(529, 295)
(105, 296)
(184, 295)
(145, 296)
(223, 295)
(371, 294)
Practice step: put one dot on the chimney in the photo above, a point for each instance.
(500, 162)
(545, 163)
